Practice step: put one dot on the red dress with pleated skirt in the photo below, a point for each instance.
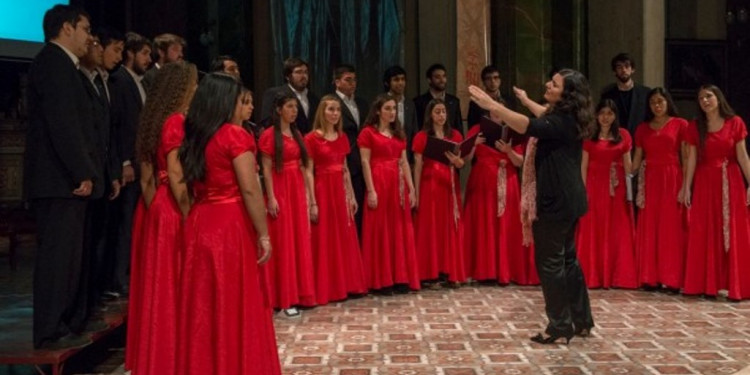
(224, 320)
(290, 272)
(153, 342)
(605, 236)
(718, 250)
(335, 246)
(388, 248)
(438, 226)
(661, 227)
(492, 220)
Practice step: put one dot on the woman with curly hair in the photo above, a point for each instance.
(291, 201)
(718, 246)
(555, 164)
(157, 242)
(224, 320)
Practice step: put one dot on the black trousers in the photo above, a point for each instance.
(128, 200)
(60, 270)
(358, 185)
(102, 252)
(566, 298)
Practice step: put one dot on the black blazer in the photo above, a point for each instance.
(126, 108)
(452, 105)
(102, 123)
(60, 142)
(304, 124)
(350, 128)
(637, 112)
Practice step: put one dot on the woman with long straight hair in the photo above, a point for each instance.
(438, 226)
(606, 232)
(718, 246)
(224, 321)
(555, 164)
(660, 230)
(290, 199)
(335, 246)
(388, 250)
(157, 247)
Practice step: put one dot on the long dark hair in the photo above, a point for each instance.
(614, 129)
(212, 106)
(576, 100)
(429, 126)
(671, 108)
(278, 141)
(373, 117)
(169, 93)
(701, 121)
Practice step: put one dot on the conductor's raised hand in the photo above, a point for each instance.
(480, 97)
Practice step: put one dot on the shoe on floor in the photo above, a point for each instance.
(292, 312)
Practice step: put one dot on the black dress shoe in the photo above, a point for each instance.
(549, 340)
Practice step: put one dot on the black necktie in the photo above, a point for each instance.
(99, 83)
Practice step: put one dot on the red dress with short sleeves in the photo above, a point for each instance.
(291, 279)
(492, 219)
(335, 247)
(388, 248)
(224, 321)
(152, 340)
(438, 226)
(605, 235)
(718, 250)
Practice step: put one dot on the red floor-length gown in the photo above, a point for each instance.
(153, 344)
(224, 320)
(494, 243)
(438, 225)
(290, 273)
(661, 230)
(388, 248)
(711, 265)
(605, 237)
(335, 246)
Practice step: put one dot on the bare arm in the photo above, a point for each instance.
(418, 164)
(744, 162)
(310, 188)
(148, 183)
(372, 195)
(685, 194)
(627, 163)
(584, 166)
(406, 171)
(535, 108)
(507, 148)
(273, 205)
(637, 159)
(252, 197)
(177, 183)
(351, 199)
(517, 121)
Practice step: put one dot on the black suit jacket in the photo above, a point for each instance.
(637, 112)
(452, 105)
(351, 129)
(103, 124)
(126, 108)
(304, 124)
(60, 142)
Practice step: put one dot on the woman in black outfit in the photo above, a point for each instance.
(558, 132)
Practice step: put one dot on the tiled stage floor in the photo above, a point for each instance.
(485, 330)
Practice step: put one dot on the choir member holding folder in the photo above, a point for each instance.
(494, 244)
(388, 251)
(439, 227)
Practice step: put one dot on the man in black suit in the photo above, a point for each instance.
(62, 170)
(128, 97)
(94, 67)
(296, 73)
(629, 96)
(491, 81)
(438, 82)
(169, 48)
(394, 83)
(353, 116)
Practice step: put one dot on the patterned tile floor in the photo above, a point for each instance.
(484, 330)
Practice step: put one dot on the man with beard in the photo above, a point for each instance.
(127, 99)
(629, 96)
(438, 81)
(297, 75)
(394, 83)
(169, 48)
(491, 81)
